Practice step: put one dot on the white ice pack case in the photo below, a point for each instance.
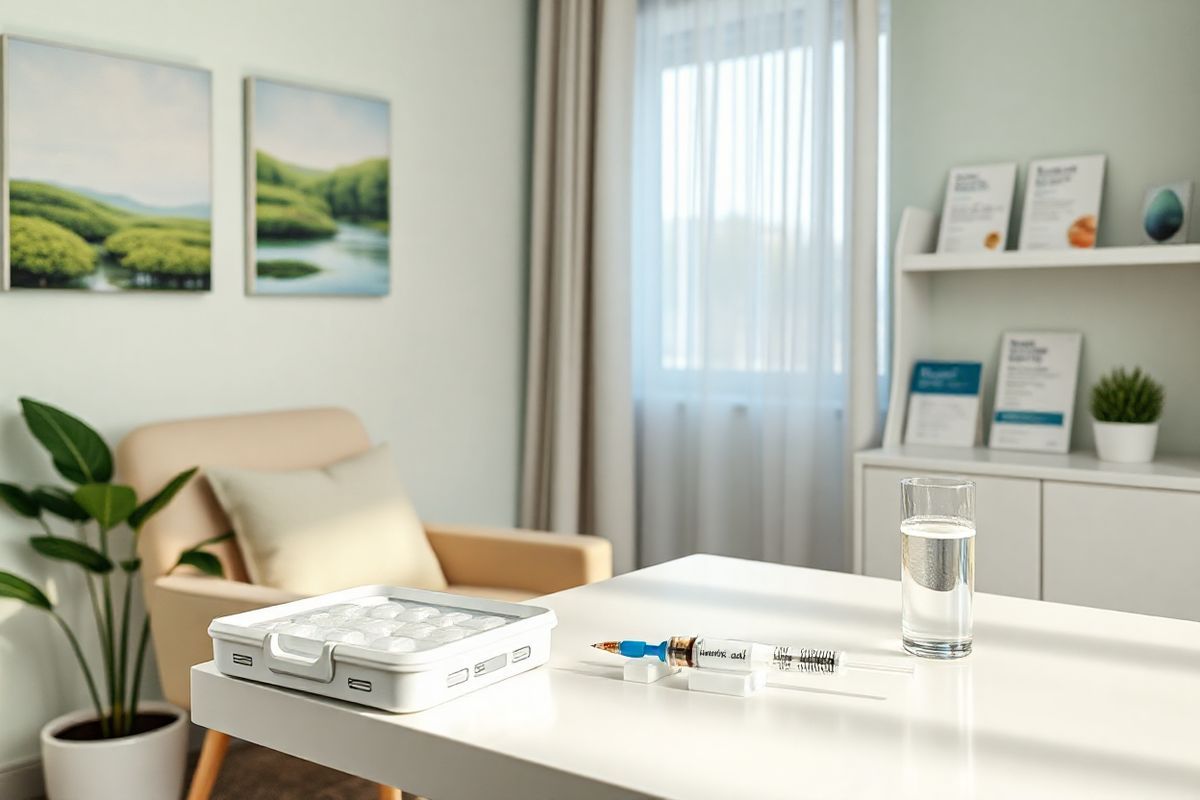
(388, 647)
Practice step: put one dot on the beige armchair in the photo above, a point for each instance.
(500, 563)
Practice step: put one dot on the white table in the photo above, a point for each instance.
(1056, 701)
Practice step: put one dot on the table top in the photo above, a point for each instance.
(1056, 700)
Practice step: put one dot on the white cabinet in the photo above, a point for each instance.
(1007, 520)
(1129, 549)
(1062, 527)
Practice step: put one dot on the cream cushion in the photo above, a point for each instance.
(311, 531)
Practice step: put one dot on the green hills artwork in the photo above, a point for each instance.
(106, 206)
(320, 178)
(108, 178)
(60, 238)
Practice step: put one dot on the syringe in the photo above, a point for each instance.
(732, 654)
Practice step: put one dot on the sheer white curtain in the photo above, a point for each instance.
(741, 278)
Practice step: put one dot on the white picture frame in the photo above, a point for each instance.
(321, 224)
(91, 207)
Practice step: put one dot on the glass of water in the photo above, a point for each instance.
(937, 565)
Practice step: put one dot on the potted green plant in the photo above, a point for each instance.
(120, 747)
(1126, 407)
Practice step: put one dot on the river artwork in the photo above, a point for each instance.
(105, 206)
(320, 177)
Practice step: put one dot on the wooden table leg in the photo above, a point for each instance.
(391, 793)
(212, 753)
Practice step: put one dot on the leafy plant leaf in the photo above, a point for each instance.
(155, 504)
(224, 537)
(131, 565)
(20, 500)
(79, 453)
(60, 503)
(205, 562)
(110, 504)
(70, 550)
(23, 590)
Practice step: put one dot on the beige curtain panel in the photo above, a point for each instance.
(577, 472)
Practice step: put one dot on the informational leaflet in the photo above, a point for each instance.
(1062, 203)
(943, 403)
(1035, 391)
(977, 207)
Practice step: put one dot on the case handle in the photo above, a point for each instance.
(315, 668)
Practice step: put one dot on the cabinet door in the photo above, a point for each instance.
(1007, 523)
(1126, 549)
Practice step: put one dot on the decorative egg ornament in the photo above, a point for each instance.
(1164, 216)
(1165, 211)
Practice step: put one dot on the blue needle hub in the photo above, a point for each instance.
(633, 649)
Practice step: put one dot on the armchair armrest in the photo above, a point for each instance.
(533, 561)
(181, 607)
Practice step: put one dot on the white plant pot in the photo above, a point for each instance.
(145, 766)
(1125, 442)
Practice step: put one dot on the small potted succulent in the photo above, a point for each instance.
(121, 746)
(1126, 407)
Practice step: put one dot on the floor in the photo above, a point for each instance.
(255, 773)
(251, 772)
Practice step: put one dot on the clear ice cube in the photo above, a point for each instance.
(394, 644)
(444, 635)
(418, 614)
(386, 611)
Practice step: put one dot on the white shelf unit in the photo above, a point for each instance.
(1062, 521)
(1142, 255)
(915, 266)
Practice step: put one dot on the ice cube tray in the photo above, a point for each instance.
(388, 647)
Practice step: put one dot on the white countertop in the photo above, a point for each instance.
(1181, 473)
(1057, 701)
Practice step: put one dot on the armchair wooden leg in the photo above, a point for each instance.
(212, 753)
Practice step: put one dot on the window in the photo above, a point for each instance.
(746, 115)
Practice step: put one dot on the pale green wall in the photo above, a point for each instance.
(434, 368)
(975, 81)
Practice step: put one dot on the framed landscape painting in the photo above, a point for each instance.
(106, 171)
(317, 165)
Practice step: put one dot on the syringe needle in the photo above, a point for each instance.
(876, 666)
